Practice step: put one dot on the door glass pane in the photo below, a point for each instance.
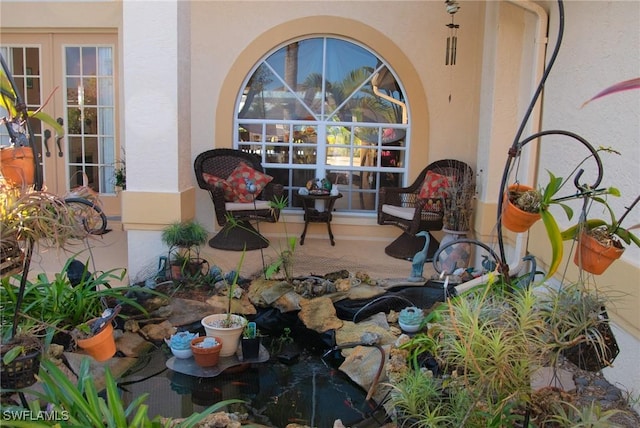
(298, 111)
(24, 65)
(91, 114)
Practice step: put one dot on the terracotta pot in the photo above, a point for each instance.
(101, 346)
(513, 218)
(230, 336)
(17, 165)
(206, 357)
(593, 256)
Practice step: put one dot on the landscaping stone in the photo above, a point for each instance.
(158, 332)
(117, 366)
(187, 312)
(556, 377)
(289, 302)
(132, 344)
(319, 314)
(362, 365)
(241, 306)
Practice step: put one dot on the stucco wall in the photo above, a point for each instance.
(229, 38)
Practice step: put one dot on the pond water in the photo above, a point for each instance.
(310, 392)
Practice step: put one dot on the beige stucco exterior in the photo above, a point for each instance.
(182, 65)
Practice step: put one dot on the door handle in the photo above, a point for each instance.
(60, 122)
(47, 137)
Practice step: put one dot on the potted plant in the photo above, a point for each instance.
(410, 319)
(63, 305)
(184, 239)
(95, 339)
(180, 344)
(578, 326)
(250, 341)
(20, 358)
(227, 326)
(206, 350)
(601, 242)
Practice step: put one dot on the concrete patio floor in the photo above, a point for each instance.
(316, 256)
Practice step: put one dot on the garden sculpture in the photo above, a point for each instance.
(417, 265)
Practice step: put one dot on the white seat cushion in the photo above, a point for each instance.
(406, 213)
(246, 206)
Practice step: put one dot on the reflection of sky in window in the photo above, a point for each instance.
(343, 58)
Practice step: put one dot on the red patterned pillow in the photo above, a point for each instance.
(213, 181)
(238, 181)
(435, 186)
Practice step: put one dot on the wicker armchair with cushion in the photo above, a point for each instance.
(419, 207)
(239, 188)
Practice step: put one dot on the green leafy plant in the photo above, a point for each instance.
(82, 404)
(574, 316)
(55, 302)
(39, 216)
(184, 239)
(120, 175)
(284, 259)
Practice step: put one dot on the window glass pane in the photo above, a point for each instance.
(299, 109)
(91, 150)
(105, 62)
(105, 123)
(72, 61)
(90, 91)
(89, 66)
(105, 91)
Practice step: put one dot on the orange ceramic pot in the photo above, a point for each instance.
(594, 257)
(101, 346)
(206, 357)
(513, 218)
(17, 165)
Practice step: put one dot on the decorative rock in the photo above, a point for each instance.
(132, 345)
(357, 333)
(241, 306)
(555, 377)
(289, 302)
(343, 284)
(363, 364)
(155, 302)
(132, 326)
(158, 332)
(319, 314)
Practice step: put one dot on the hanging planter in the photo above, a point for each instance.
(20, 370)
(594, 256)
(598, 351)
(11, 256)
(18, 165)
(514, 218)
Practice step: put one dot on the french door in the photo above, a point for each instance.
(73, 77)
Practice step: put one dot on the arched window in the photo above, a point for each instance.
(326, 108)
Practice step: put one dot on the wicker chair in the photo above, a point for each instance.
(402, 207)
(221, 163)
